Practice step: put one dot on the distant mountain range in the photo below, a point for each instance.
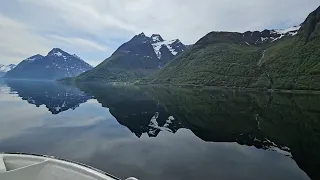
(56, 64)
(4, 69)
(137, 58)
(277, 59)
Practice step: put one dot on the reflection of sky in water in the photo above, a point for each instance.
(90, 134)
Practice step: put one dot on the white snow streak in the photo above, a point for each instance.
(155, 38)
(157, 46)
(263, 39)
(31, 59)
(58, 53)
(284, 31)
(284, 150)
(292, 31)
(154, 124)
(4, 68)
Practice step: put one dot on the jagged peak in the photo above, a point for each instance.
(57, 52)
(176, 41)
(56, 49)
(156, 38)
(142, 34)
(140, 38)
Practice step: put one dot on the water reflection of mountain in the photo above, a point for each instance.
(286, 123)
(55, 97)
(134, 109)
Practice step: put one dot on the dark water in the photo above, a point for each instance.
(156, 133)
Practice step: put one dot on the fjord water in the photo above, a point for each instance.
(165, 133)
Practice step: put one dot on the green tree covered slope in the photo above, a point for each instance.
(233, 60)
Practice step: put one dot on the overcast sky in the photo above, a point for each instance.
(93, 29)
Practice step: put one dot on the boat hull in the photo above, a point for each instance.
(35, 167)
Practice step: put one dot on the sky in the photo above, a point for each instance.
(94, 29)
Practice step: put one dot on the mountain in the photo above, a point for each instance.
(56, 65)
(282, 59)
(4, 69)
(139, 57)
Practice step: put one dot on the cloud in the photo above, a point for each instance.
(186, 19)
(84, 44)
(18, 41)
(100, 26)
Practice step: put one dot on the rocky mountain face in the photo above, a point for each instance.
(249, 38)
(5, 68)
(56, 64)
(311, 26)
(278, 59)
(137, 58)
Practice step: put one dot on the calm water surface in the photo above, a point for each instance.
(156, 133)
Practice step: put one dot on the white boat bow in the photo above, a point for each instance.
(34, 167)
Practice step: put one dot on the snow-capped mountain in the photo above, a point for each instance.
(5, 68)
(174, 46)
(137, 58)
(164, 50)
(154, 48)
(57, 64)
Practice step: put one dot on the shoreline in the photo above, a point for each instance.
(291, 91)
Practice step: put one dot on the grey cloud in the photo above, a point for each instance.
(106, 20)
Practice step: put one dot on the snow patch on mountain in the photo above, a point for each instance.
(155, 126)
(267, 36)
(263, 39)
(156, 38)
(157, 46)
(292, 31)
(58, 53)
(30, 59)
(274, 147)
(7, 68)
(285, 31)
